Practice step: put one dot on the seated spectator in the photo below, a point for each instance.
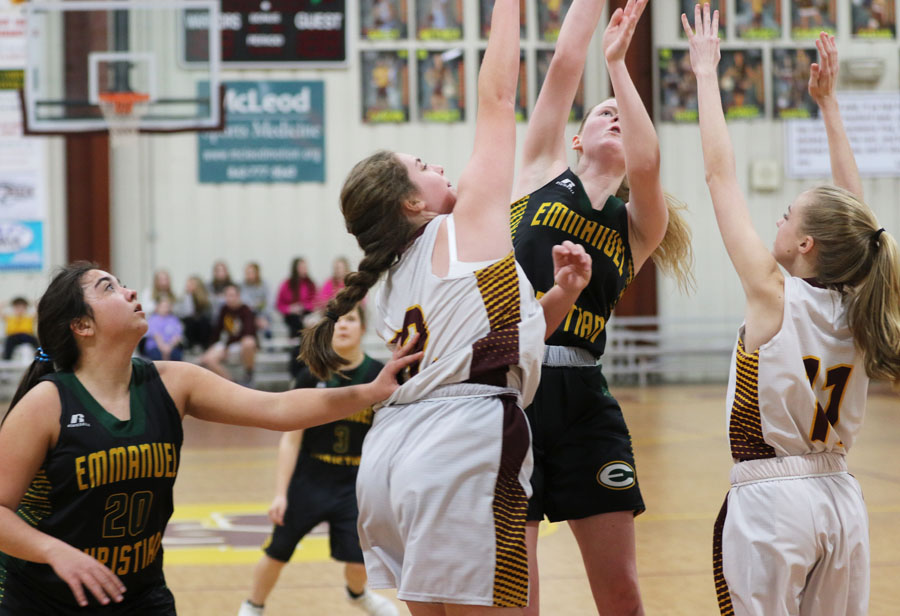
(339, 270)
(162, 285)
(296, 296)
(19, 327)
(255, 293)
(195, 311)
(221, 278)
(164, 332)
(234, 332)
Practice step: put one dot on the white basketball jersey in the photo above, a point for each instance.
(804, 391)
(475, 327)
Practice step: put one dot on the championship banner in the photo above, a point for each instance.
(790, 83)
(439, 20)
(758, 19)
(382, 20)
(442, 83)
(742, 84)
(385, 86)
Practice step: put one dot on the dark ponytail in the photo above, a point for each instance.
(62, 303)
(371, 201)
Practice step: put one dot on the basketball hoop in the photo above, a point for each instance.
(123, 112)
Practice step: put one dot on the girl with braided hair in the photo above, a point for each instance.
(443, 480)
(91, 445)
(792, 536)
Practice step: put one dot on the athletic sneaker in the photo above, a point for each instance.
(372, 604)
(250, 610)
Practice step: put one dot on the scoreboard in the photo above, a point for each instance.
(272, 34)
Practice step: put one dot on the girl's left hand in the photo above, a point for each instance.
(823, 75)
(387, 382)
(704, 42)
(620, 29)
(571, 267)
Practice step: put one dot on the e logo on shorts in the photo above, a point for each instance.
(616, 475)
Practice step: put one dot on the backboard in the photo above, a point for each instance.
(81, 54)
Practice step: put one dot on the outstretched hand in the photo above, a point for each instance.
(387, 382)
(704, 41)
(823, 75)
(571, 267)
(620, 30)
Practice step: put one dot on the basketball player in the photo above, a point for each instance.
(91, 446)
(443, 482)
(792, 536)
(584, 465)
(316, 482)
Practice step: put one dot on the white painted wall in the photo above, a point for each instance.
(719, 295)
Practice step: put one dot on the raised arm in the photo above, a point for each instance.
(482, 206)
(822, 81)
(545, 152)
(647, 214)
(205, 395)
(756, 267)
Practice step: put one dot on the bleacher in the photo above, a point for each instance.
(639, 351)
(642, 350)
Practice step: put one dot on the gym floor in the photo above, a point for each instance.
(227, 476)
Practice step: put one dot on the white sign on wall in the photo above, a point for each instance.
(872, 120)
(12, 34)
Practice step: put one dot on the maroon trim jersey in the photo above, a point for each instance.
(560, 210)
(479, 324)
(104, 488)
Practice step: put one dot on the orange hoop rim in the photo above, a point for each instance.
(123, 102)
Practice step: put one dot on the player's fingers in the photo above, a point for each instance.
(715, 24)
(572, 246)
(639, 10)
(706, 19)
(616, 17)
(402, 362)
(687, 26)
(836, 67)
(698, 18)
(406, 348)
(77, 591)
(95, 589)
(111, 583)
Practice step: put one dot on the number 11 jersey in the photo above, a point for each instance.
(803, 391)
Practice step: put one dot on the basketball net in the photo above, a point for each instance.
(123, 112)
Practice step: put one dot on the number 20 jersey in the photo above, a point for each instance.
(480, 327)
(106, 487)
(803, 391)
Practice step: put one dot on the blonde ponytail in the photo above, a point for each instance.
(674, 255)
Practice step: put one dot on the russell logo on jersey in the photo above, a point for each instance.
(567, 184)
(77, 421)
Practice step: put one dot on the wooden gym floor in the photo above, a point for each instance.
(227, 477)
